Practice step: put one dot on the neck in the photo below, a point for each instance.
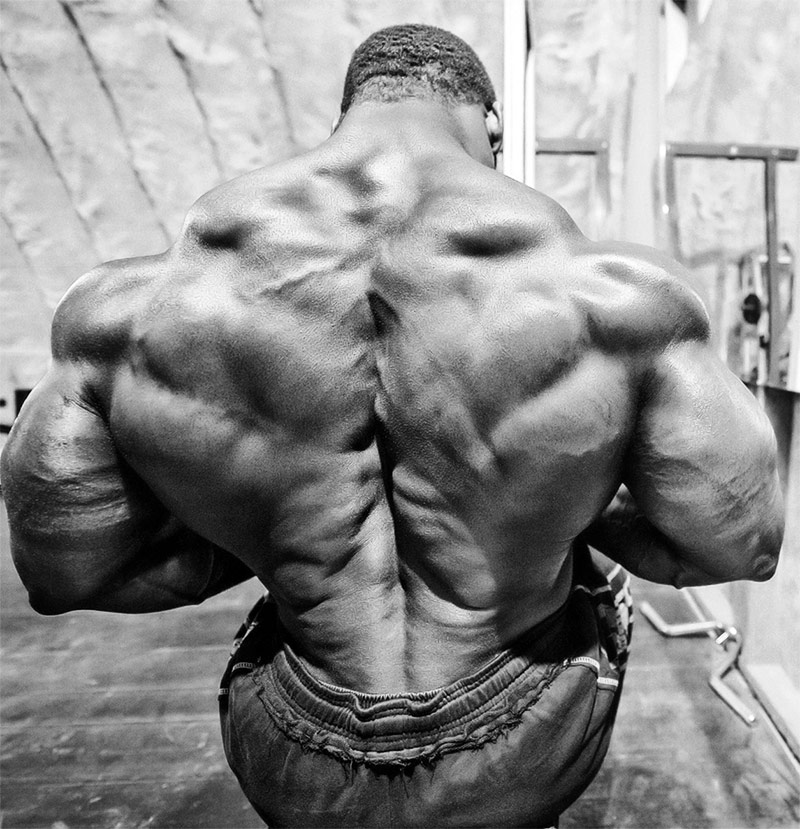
(419, 127)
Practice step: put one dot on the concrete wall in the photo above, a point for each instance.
(585, 52)
(740, 83)
(119, 114)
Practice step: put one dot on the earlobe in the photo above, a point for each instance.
(494, 127)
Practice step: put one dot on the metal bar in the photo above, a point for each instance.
(775, 319)
(718, 686)
(681, 628)
(603, 176)
(744, 152)
(724, 635)
(529, 119)
(571, 146)
(646, 123)
(596, 148)
(669, 207)
(515, 48)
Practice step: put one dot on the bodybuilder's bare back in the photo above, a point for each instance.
(398, 389)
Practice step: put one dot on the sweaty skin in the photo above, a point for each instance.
(396, 387)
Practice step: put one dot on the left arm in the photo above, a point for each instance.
(86, 530)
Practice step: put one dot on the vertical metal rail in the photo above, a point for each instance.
(646, 123)
(529, 136)
(515, 81)
(777, 317)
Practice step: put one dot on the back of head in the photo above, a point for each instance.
(416, 61)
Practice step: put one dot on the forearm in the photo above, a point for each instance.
(645, 552)
(177, 574)
(86, 531)
(148, 571)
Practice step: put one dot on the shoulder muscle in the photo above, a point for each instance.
(93, 320)
(641, 298)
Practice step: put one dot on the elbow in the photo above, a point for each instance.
(51, 600)
(752, 558)
(765, 563)
(765, 569)
(767, 534)
(47, 605)
(766, 551)
(55, 596)
(54, 582)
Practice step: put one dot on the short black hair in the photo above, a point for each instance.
(416, 61)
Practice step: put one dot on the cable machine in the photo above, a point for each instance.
(761, 336)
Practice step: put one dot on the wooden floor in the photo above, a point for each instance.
(110, 721)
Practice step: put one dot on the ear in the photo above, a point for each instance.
(494, 127)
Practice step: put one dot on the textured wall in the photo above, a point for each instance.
(585, 60)
(740, 83)
(118, 114)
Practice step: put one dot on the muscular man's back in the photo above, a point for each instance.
(403, 391)
(396, 385)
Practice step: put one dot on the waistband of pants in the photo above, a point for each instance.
(395, 729)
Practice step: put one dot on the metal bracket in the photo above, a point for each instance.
(726, 636)
(769, 156)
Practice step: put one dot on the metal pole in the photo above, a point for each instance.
(646, 128)
(529, 126)
(669, 208)
(774, 307)
(515, 48)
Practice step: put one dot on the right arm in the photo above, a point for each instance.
(703, 504)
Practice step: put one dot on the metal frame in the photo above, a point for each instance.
(520, 145)
(519, 163)
(770, 156)
(595, 148)
(724, 635)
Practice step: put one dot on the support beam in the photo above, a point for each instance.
(646, 128)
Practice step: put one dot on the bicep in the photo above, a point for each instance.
(702, 465)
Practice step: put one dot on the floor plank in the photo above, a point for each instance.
(201, 803)
(111, 721)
